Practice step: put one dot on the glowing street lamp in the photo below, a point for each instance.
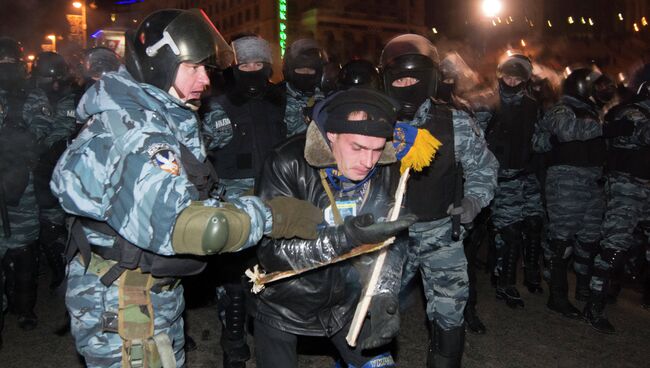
(491, 8)
(53, 39)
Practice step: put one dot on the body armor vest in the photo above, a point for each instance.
(589, 153)
(257, 126)
(510, 132)
(431, 191)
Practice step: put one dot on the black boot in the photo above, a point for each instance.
(532, 251)
(472, 321)
(445, 347)
(51, 239)
(594, 313)
(583, 259)
(558, 300)
(233, 334)
(24, 266)
(506, 289)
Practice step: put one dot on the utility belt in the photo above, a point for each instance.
(630, 161)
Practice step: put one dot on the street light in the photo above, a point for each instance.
(53, 39)
(82, 6)
(491, 8)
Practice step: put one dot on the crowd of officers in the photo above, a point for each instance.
(562, 181)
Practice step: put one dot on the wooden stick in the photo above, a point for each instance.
(369, 291)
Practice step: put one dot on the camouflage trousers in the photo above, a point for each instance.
(625, 226)
(443, 268)
(87, 299)
(23, 220)
(515, 199)
(575, 201)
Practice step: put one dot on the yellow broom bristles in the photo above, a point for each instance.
(423, 151)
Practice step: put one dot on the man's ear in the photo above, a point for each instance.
(332, 136)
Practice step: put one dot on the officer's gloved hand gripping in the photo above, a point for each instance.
(205, 230)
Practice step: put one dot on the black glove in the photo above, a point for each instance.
(363, 229)
(294, 218)
(468, 210)
(384, 321)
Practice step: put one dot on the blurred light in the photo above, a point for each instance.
(499, 19)
(30, 57)
(96, 34)
(510, 17)
(523, 43)
(550, 25)
(494, 23)
(591, 22)
(135, 21)
(509, 53)
(582, 20)
(531, 24)
(507, 21)
(51, 37)
(644, 21)
(636, 27)
(620, 16)
(113, 17)
(570, 20)
(621, 77)
(491, 7)
(434, 30)
(567, 71)
(77, 4)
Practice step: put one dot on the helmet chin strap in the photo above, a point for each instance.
(192, 104)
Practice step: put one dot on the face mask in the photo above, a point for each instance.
(251, 84)
(306, 83)
(507, 92)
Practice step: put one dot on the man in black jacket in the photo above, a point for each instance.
(342, 167)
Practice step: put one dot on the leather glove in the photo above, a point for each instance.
(468, 210)
(363, 229)
(294, 218)
(384, 321)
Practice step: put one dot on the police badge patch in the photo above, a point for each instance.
(164, 157)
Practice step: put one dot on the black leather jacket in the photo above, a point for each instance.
(319, 302)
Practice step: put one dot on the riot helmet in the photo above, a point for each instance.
(252, 68)
(579, 84)
(359, 73)
(513, 72)
(410, 56)
(330, 79)
(644, 89)
(12, 67)
(604, 90)
(100, 60)
(169, 37)
(303, 65)
(50, 73)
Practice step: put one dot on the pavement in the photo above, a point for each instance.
(529, 337)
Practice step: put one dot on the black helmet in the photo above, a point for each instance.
(100, 60)
(579, 83)
(304, 53)
(359, 73)
(12, 67)
(603, 90)
(515, 64)
(50, 65)
(169, 37)
(410, 55)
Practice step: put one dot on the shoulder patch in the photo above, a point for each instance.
(164, 158)
(45, 110)
(222, 123)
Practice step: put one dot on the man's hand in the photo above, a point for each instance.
(384, 321)
(294, 218)
(468, 210)
(363, 229)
